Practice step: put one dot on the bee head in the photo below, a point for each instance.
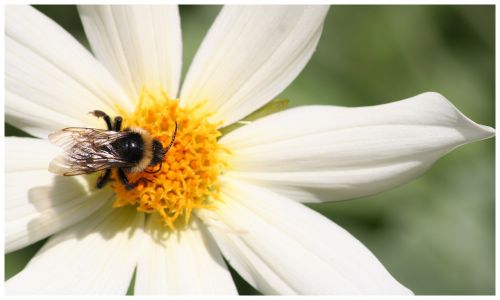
(158, 153)
(158, 150)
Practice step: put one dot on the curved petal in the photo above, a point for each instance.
(51, 80)
(186, 262)
(282, 247)
(97, 256)
(322, 153)
(250, 55)
(140, 45)
(39, 203)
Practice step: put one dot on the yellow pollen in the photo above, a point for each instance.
(187, 179)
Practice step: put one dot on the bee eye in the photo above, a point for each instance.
(158, 153)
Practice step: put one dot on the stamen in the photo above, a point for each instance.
(186, 180)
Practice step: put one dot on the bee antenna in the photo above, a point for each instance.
(173, 139)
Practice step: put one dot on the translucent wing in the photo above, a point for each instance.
(86, 150)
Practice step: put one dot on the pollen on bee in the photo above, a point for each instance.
(187, 179)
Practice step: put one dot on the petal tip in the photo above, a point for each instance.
(488, 131)
(471, 130)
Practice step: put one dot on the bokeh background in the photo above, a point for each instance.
(435, 234)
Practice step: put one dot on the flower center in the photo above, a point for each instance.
(187, 177)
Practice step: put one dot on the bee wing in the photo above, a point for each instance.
(71, 137)
(86, 150)
(63, 165)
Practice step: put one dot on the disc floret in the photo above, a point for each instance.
(187, 179)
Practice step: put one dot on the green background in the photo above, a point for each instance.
(435, 234)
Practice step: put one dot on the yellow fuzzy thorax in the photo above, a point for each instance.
(188, 176)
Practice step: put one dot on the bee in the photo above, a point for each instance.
(88, 150)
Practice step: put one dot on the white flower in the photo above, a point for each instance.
(305, 154)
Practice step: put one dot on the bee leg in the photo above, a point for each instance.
(118, 123)
(155, 171)
(103, 179)
(101, 114)
(126, 183)
(124, 180)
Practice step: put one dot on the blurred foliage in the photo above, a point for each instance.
(435, 234)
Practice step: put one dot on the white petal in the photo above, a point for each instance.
(282, 247)
(28, 154)
(250, 55)
(39, 203)
(186, 262)
(51, 80)
(316, 153)
(140, 45)
(97, 256)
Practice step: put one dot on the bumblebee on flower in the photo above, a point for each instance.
(235, 195)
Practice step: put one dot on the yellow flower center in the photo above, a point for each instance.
(187, 178)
